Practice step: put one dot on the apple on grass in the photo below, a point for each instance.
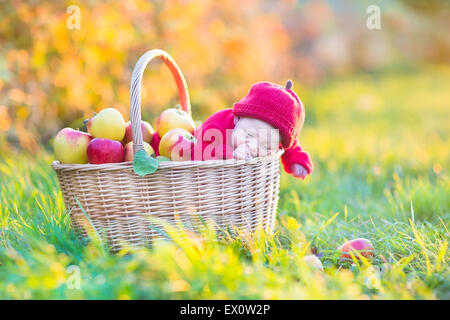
(70, 146)
(102, 150)
(107, 124)
(129, 153)
(313, 262)
(174, 118)
(177, 145)
(147, 132)
(357, 246)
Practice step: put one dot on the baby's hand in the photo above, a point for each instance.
(299, 171)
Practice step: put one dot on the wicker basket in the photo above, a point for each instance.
(231, 194)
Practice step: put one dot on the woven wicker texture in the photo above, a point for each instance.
(121, 206)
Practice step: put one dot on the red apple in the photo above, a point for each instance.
(174, 118)
(129, 154)
(104, 151)
(177, 145)
(360, 245)
(70, 146)
(147, 132)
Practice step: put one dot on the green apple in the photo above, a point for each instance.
(107, 124)
(70, 146)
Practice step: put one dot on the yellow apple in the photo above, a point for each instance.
(174, 118)
(129, 154)
(70, 146)
(107, 124)
(177, 145)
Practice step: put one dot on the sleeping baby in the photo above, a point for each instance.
(270, 117)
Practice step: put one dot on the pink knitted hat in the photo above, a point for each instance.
(274, 104)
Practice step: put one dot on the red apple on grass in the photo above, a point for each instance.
(70, 146)
(104, 151)
(177, 145)
(129, 154)
(174, 118)
(357, 246)
(147, 132)
(107, 124)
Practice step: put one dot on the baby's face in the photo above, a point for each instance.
(254, 138)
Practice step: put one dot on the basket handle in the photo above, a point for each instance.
(135, 91)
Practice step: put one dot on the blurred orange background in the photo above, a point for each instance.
(52, 76)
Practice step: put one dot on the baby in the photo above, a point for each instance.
(270, 117)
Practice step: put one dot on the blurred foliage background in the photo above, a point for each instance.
(52, 77)
(377, 129)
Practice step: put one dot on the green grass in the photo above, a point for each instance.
(380, 147)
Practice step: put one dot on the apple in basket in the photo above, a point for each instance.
(102, 150)
(174, 118)
(129, 154)
(70, 146)
(147, 132)
(357, 246)
(107, 124)
(177, 145)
